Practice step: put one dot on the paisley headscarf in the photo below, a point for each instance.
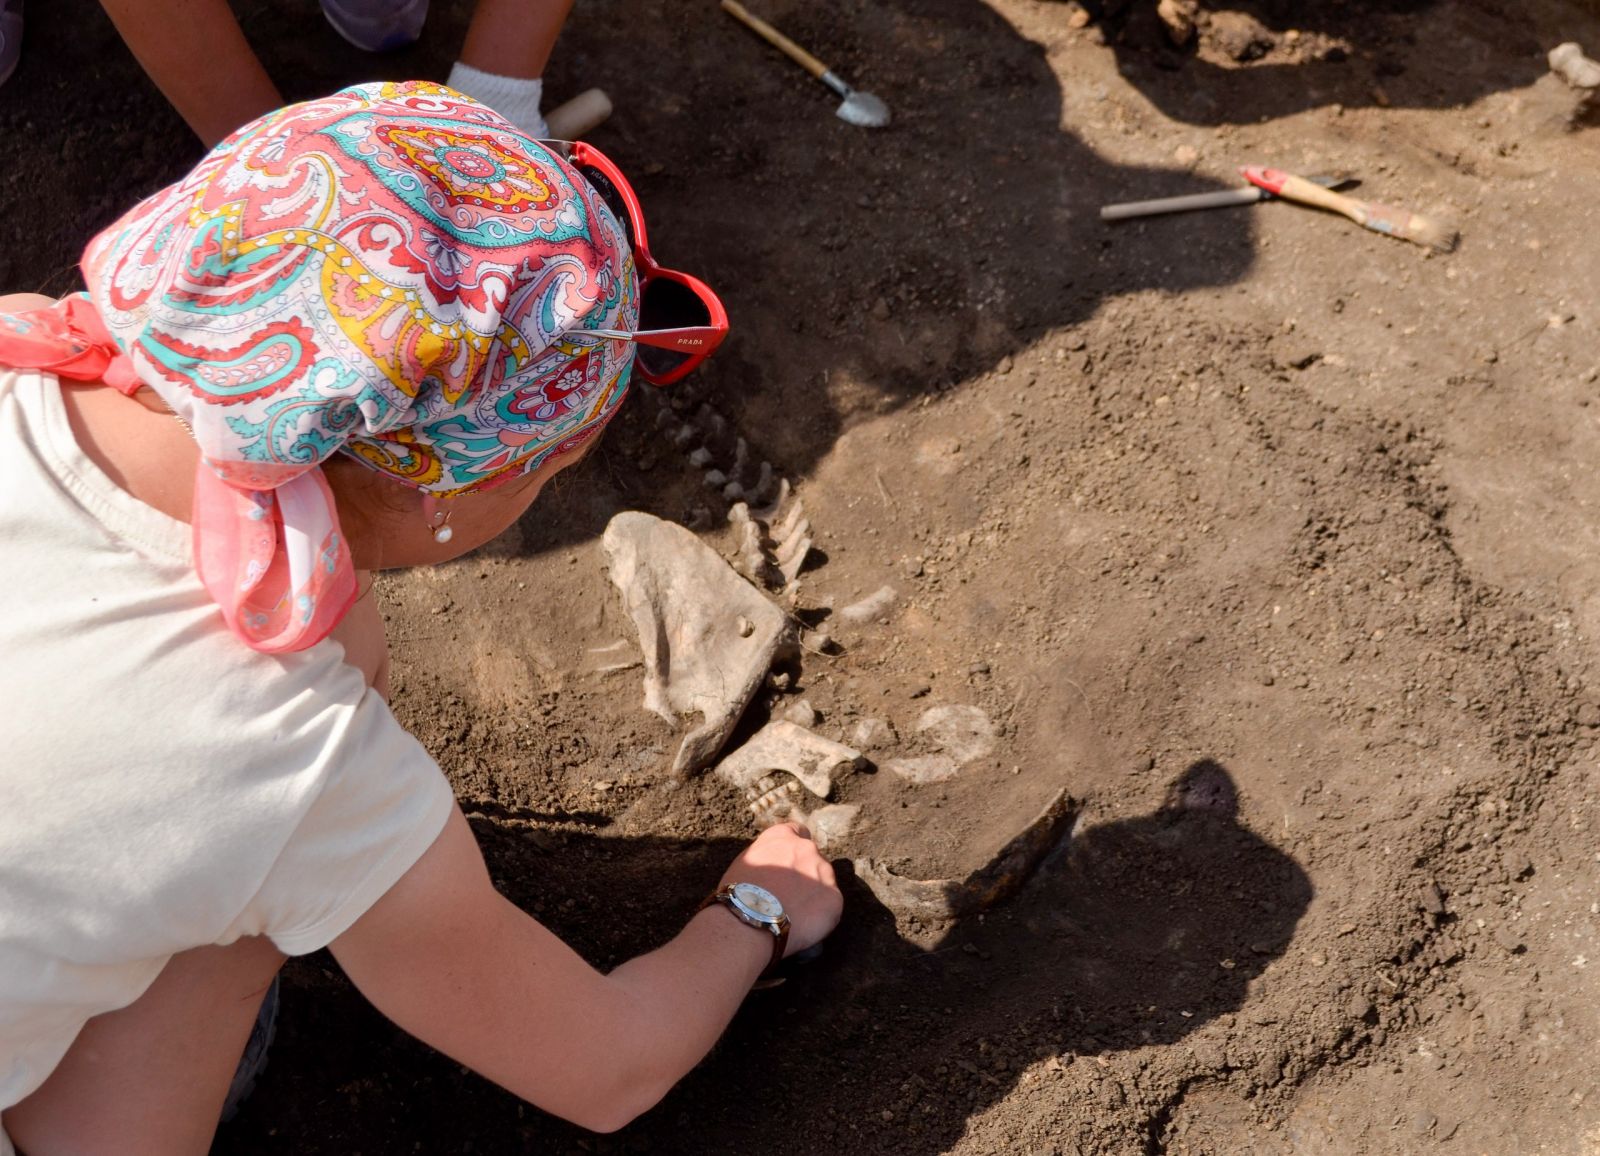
(394, 272)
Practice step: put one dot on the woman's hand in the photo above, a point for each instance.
(786, 861)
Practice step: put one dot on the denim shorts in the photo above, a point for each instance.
(254, 1060)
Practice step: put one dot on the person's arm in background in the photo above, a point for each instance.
(196, 53)
(514, 37)
(454, 963)
(502, 62)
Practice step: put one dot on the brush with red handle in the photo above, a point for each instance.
(1402, 223)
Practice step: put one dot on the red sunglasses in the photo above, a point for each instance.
(681, 321)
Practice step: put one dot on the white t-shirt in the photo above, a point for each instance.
(162, 786)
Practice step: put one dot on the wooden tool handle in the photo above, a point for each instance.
(1293, 188)
(775, 38)
(580, 115)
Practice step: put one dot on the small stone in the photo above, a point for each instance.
(1078, 16)
(1004, 365)
(1268, 679)
(1510, 940)
(1178, 16)
(1358, 1007)
(1569, 63)
(1240, 35)
(802, 714)
(979, 667)
(779, 680)
(872, 607)
(1186, 155)
(746, 628)
(872, 734)
(1432, 899)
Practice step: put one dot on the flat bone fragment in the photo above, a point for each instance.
(938, 900)
(872, 607)
(688, 606)
(1569, 63)
(958, 735)
(965, 733)
(783, 746)
(922, 769)
(620, 655)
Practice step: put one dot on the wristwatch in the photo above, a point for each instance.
(760, 909)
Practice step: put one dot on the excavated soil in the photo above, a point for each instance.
(1269, 540)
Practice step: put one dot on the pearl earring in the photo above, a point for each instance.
(438, 520)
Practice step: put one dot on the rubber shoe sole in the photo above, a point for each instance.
(10, 37)
(376, 25)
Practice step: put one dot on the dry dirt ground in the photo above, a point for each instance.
(1270, 540)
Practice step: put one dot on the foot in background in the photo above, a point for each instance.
(10, 37)
(374, 25)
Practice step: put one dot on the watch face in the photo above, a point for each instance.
(758, 901)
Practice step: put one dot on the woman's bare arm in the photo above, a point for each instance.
(364, 638)
(457, 965)
(196, 53)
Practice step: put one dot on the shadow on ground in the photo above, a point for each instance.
(862, 270)
(1136, 932)
(1263, 59)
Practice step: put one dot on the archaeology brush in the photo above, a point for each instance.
(1402, 223)
(1221, 198)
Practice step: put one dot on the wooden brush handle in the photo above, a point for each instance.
(775, 38)
(1293, 188)
(582, 114)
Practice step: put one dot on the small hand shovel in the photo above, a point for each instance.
(859, 108)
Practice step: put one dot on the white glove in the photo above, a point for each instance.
(512, 97)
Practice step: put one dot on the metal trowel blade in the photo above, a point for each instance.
(864, 110)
